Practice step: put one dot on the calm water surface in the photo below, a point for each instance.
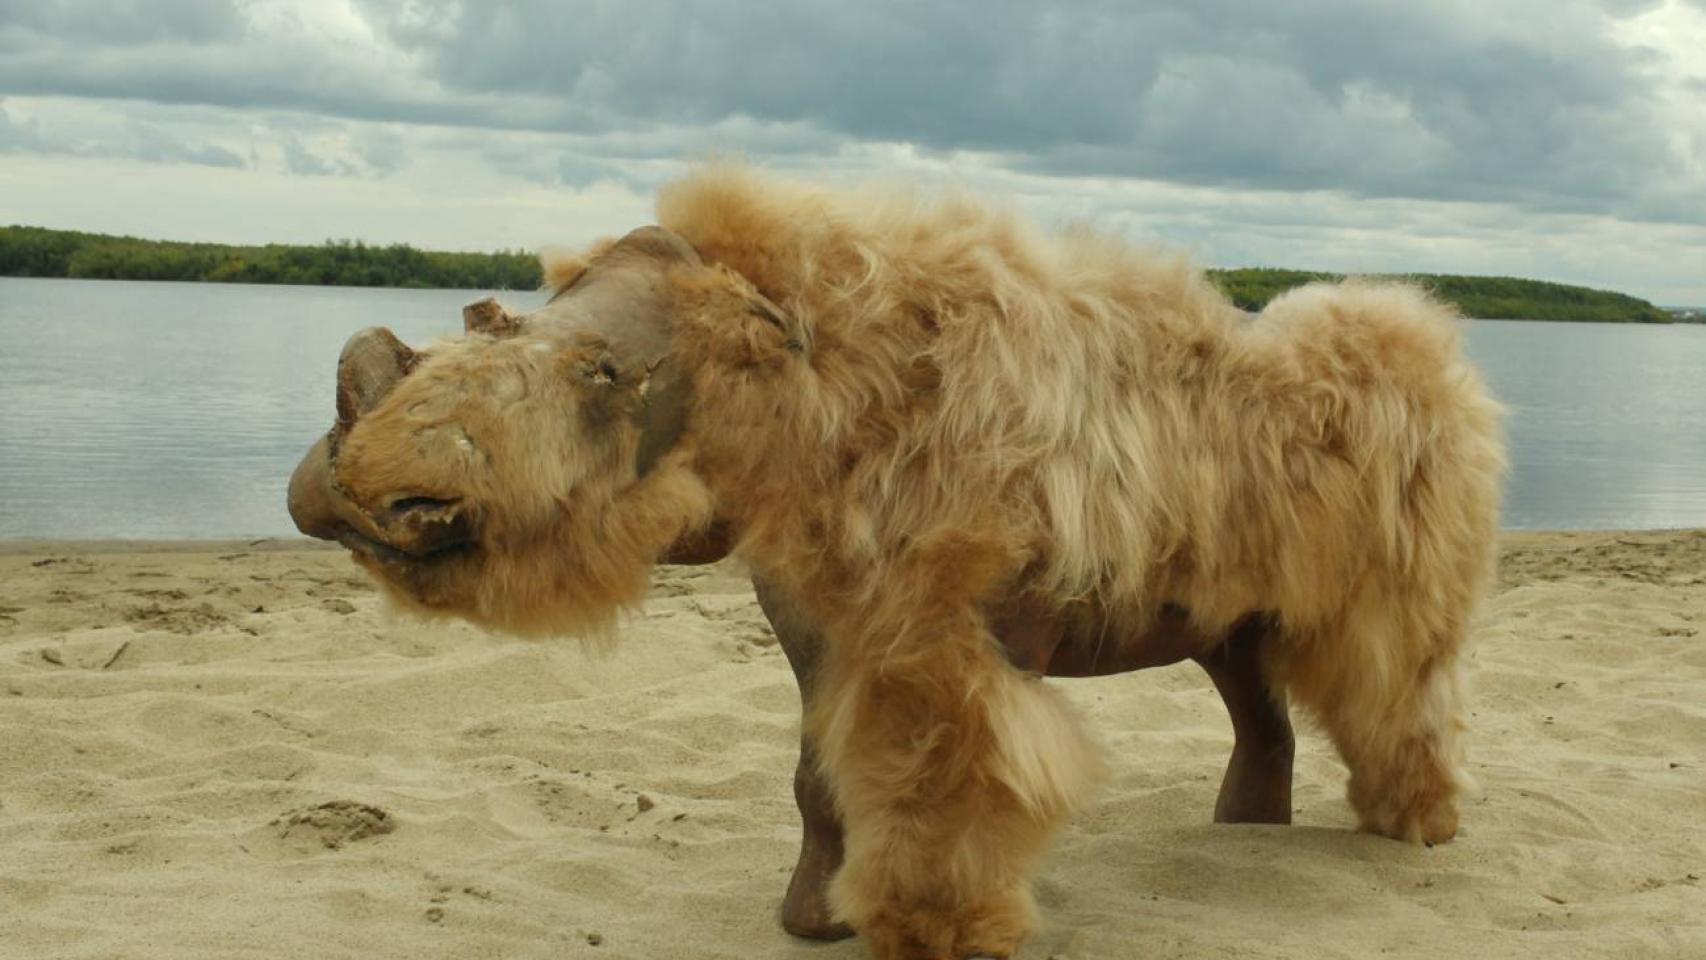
(179, 410)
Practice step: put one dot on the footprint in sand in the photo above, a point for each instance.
(184, 620)
(169, 594)
(328, 826)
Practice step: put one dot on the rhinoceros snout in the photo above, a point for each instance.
(370, 366)
(310, 498)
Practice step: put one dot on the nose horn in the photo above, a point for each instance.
(371, 364)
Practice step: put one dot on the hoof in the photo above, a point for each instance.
(991, 928)
(805, 908)
(811, 928)
(1428, 828)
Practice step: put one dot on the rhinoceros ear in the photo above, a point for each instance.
(488, 317)
(766, 309)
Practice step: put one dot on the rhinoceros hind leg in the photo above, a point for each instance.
(1257, 785)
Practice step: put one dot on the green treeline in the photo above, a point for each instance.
(1492, 298)
(39, 252)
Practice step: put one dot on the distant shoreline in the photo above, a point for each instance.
(67, 254)
(1479, 298)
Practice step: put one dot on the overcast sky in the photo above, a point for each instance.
(1560, 139)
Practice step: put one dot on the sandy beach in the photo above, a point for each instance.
(226, 750)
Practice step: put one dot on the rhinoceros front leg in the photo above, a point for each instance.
(805, 908)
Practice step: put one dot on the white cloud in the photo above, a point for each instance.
(1563, 139)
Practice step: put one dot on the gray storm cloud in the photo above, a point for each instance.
(1529, 102)
(136, 140)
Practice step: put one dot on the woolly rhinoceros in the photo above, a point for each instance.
(957, 453)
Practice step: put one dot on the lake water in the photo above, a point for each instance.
(170, 410)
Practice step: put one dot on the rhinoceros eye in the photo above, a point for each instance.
(602, 372)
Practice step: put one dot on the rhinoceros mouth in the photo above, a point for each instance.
(412, 529)
(388, 555)
(407, 505)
